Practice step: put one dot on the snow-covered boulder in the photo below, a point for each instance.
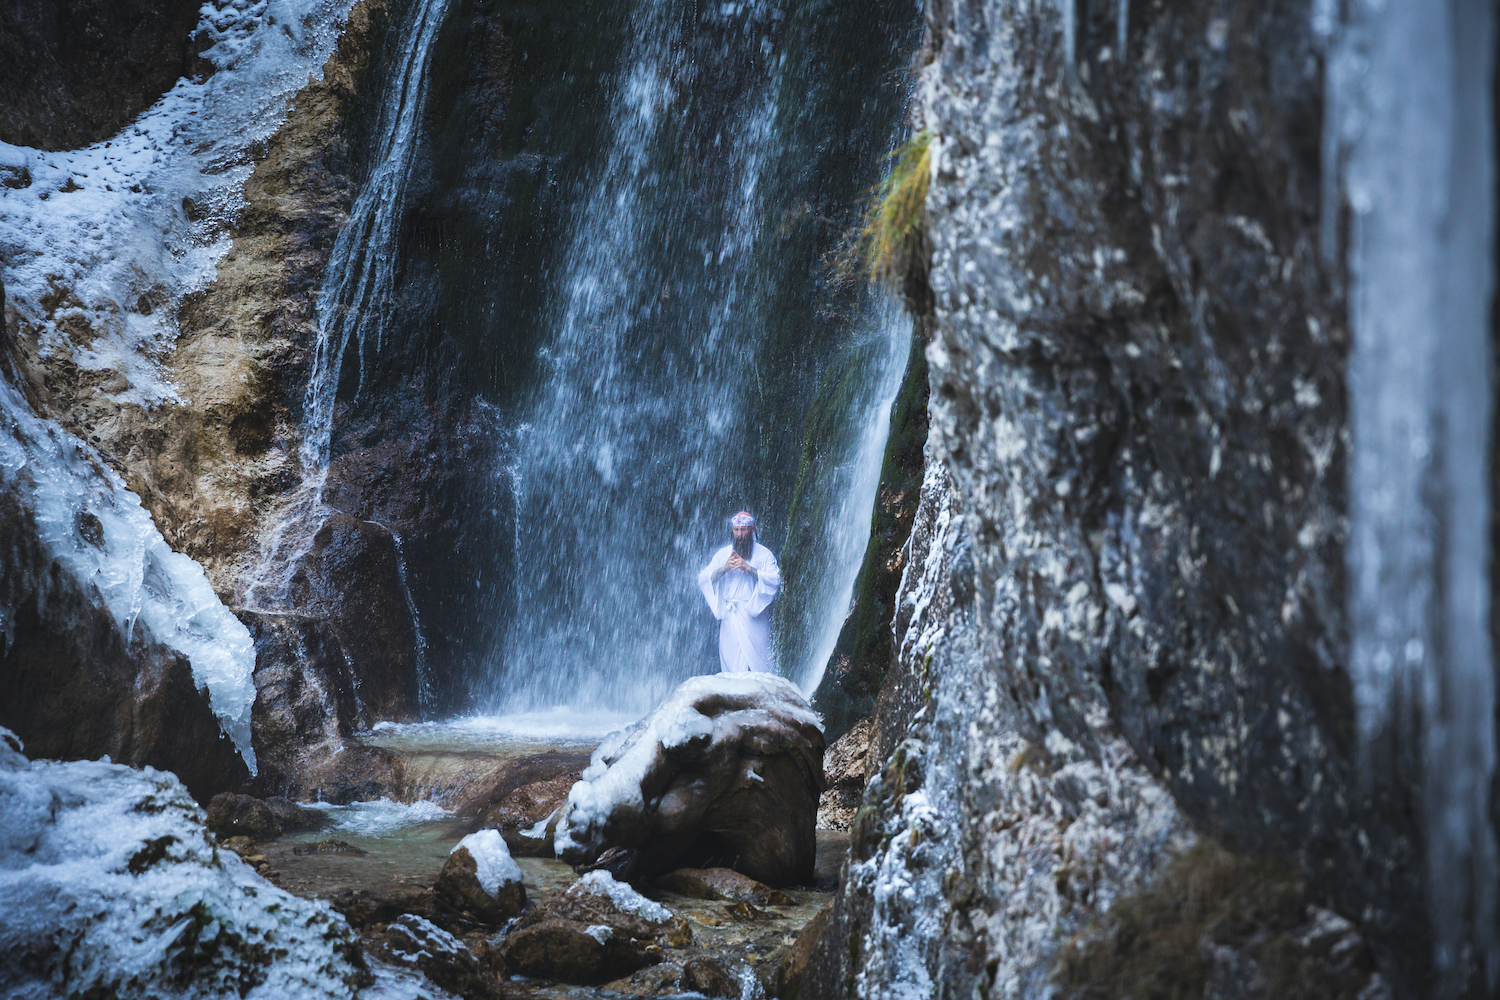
(110, 885)
(726, 772)
(482, 879)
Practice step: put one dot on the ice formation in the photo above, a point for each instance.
(112, 236)
(110, 885)
(495, 865)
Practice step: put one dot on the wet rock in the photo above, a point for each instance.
(721, 883)
(708, 977)
(486, 888)
(293, 817)
(365, 908)
(654, 980)
(414, 941)
(242, 846)
(232, 815)
(726, 772)
(845, 767)
(743, 912)
(527, 791)
(338, 847)
(786, 980)
(356, 774)
(351, 577)
(571, 951)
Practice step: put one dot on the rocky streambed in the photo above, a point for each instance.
(382, 865)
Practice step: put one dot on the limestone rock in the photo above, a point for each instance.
(570, 951)
(721, 883)
(726, 772)
(708, 977)
(443, 958)
(231, 815)
(526, 792)
(487, 887)
(845, 768)
(341, 848)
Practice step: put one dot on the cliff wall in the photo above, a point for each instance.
(1122, 626)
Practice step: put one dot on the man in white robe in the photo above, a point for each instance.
(739, 582)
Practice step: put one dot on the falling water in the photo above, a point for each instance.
(1411, 108)
(354, 304)
(646, 430)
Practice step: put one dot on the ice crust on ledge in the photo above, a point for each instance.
(112, 236)
(98, 532)
(110, 884)
(626, 899)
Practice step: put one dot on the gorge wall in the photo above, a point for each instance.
(1123, 636)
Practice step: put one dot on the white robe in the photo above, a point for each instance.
(741, 602)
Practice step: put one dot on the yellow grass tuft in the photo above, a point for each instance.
(894, 225)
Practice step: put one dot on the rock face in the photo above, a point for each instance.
(845, 770)
(726, 772)
(1122, 619)
(76, 72)
(73, 685)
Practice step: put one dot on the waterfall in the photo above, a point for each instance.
(1410, 109)
(653, 417)
(354, 305)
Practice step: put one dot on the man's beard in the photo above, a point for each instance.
(745, 547)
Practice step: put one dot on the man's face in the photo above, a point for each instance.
(742, 534)
(744, 540)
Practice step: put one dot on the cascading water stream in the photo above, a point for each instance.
(354, 304)
(645, 432)
(1410, 106)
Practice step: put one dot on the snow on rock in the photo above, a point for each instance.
(625, 899)
(111, 885)
(98, 532)
(726, 770)
(495, 865)
(98, 247)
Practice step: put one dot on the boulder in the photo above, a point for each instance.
(598, 899)
(572, 952)
(292, 816)
(364, 908)
(339, 847)
(708, 977)
(721, 883)
(414, 941)
(481, 880)
(725, 772)
(845, 768)
(231, 815)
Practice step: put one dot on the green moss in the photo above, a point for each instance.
(1153, 945)
(898, 213)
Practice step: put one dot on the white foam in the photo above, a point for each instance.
(382, 817)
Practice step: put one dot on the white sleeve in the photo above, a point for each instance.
(710, 585)
(767, 580)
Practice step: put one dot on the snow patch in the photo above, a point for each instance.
(626, 899)
(110, 884)
(495, 865)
